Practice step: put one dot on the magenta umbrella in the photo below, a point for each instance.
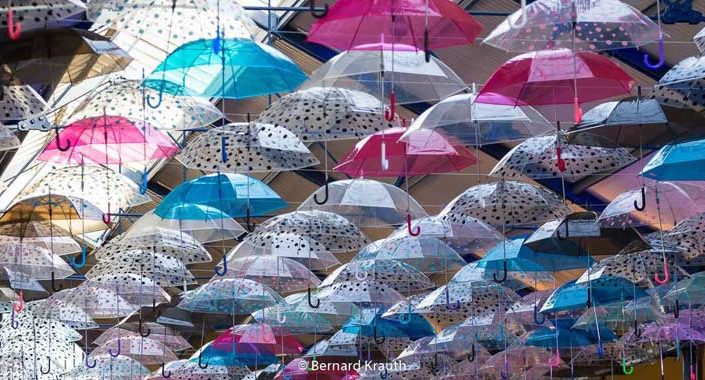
(108, 140)
(424, 24)
(554, 77)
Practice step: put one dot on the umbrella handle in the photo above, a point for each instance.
(637, 332)
(643, 201)
(158, 103)
(249, 226)
(567, 232)
(500, 280)
(536, 316)
(666, 275)
(361, 276)
(677, 310)
(314, 12)
(225, 268)
(224, 148)
(41, 367)
(13, 322)
(19, 305)
(325, 196)
(143, 335)
(472, 354)
(384, 162)
(200, 361)
(426, 49)
(82, 263)
(384, 374)
(87, 362)
(449, 305)
(577, 111)
(14, 29)
(53, 284)
(560, 162)
(280, 318)
(58, 141)
(107, 218)
(661, 56)
(310, 300)
(404, 319)
(555, 361)
(522, 21)
(144, 182)
(624, 367)
(217, 41)
(392, 110)
(412, 231)
(119, 349)
(165, 374)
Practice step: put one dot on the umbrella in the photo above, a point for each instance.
(319, 114)
(537, 157)
(519, 359)
(331, 230)
(425, 25)
(134, 288)
(364, 202)
(52, 56)
(167, 336)
(406, 73)
(245, 148)
(687, 237)
(591, 25)
(189, 370)
(369, 322)
(204, 223)
(108, 140)
(145, 350)
(280, 273)
(298, 247)
(236, 195)
(69, 313)
(424, 152)
(40, 14)
(86, 182)
(671, 331)
(549, 77)
(387, 348)
(515, 280)
(397, 275)
(299, 312)
(257, 338)
(97, 302)
(507, 203)
(699, 40)
(20, 102)
(233, 71)
(173, 244)
(678, 161)
(50, 215)
(473, 123)
(690, 289)
(621, 315)
(125, 99)
(639, 267)
(36, 262)
(106, 366)
(635, 122)
(561, 335)
(492, 334)
(427, 254)
(8, 140)
(163, 270)
(681, 86)
(228, 296)
(660, 204)
(514, 255)
(361, 292)
(601, 291)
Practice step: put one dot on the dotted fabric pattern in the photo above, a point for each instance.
(162, 269)
(397, 275)
(229, 295)
(173, 244)
(20, 102)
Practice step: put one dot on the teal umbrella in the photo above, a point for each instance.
(518, 257)
(679, 161)
(226, 68)
(604, 290)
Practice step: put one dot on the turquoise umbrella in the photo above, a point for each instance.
(604, 290)
(520, 258)
(225, 68)
(561, 335)
(236, 195)
(681, 161)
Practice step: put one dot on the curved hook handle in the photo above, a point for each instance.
(536, 316)
(82, 263)
(19, 305)
(158, 103)
(310, 300)
(472, 354)
(224, 148)
(87, 361)
(522, 21)
(661, 56)
(426, 48)
(567, 231)
(627, 370)
(560, 162)
(666, 274)
(144, 182)
(143, 335)
(53, 284)
(225, 268)
(390, 112)
(314, 12)
(248, 226)
(555, 360)
(165, 374)
(57, 137)
(14, 29)
(643, 201)
(412, 231)
(384, 162)
(404, 319)
(280, 318)
(577, 111)
(41, 368)
(361, 276)
(452, 306)
(383, 374)
(325, 195)
(200, 361)
(107, 218)
(504, 275)
(119, 349)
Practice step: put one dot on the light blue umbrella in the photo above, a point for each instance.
(682, 161)
(561, 335)
(520, 258)
(572, 296)
(225, 68)
(234, 194)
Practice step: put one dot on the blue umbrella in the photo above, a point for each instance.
(211, 356)
(572, 296)
(225, 68)
(682, 161)
(560, 335)
(520, 258)
(370, 323)
(234, 194)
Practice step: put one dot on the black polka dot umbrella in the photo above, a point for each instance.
(145, 350)
(163, 270)
(97, 302)
(121, 367)
(301, 248)
(173, 244)
(229, 296)
(136, 289)
(20, 102)
(245, 148)
(683, 86)
(67, 312)
(36, 262)
(189, 370)
(369, 278)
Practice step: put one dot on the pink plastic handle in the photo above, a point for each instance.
(555, 361)
(392, 110)
(577, 111)
(666, 275)
(14, 29)
(560, 162)
(412, 231)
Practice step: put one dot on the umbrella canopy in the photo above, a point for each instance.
(365, 202)
(119, 368)
(145, 350)
(257, 338)
(589, 25)
(638, 267)
(515, 280)
(298, 247)
(681, 86)
(50, 215)
(367, 292)
(233, 71)
(279, 273)
(424, 152)
(688, 290)
(72, 315)
(163, 270)
(604, 290)
(52, 56)
(473, 123)
(319, 114)
(205, 224)
(228, 296)
(537, 157)
(125, 99)
(401, 277)
(422, 24)
(169, 243)
(134, 288)
(508, 203)
(189, 370)
(562, 336)
(8, 140)
(167, 336)
(234, 194)
(519, 257)
(245, 148)
(405, 69)
(97, 302)
(36, 262)
(427, 254)
(300, 314)
(679, 161)
(20, 102)
(621, 315)
(41, 14)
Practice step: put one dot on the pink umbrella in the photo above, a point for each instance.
(423, 152)
(258, 338)
(424, 24)
(108, 140)
(550, 77)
